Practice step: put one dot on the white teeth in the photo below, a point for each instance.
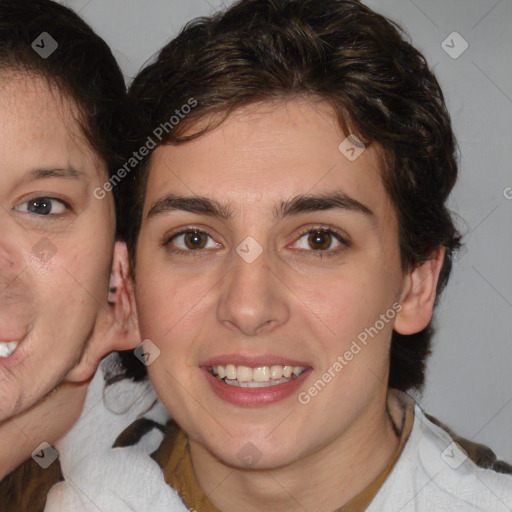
(261, 376)
(231, 372)
(7, 348)
(276, 372)
(297, 370)
(253, 384)
(243, 374)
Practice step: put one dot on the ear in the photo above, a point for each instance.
(419, 295)
(116, 325)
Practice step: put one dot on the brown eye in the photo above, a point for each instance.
(320, 240)
(191, 241)
(195, 240)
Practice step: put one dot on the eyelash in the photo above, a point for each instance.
(40, 198)
(167, 240)
(326, 230)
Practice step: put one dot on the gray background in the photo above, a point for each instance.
(469, 382)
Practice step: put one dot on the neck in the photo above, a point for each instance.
(322, 481)
(46, 421)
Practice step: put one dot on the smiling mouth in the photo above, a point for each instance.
(257, 377)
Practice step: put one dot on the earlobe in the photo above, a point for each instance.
(419, 295)
(116, 326)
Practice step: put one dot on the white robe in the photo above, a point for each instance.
(434, 474)
(101, 478)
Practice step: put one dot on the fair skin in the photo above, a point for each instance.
(56, 256)
(301, 302)
(25, 432)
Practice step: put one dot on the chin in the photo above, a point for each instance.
(252, 451)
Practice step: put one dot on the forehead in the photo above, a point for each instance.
(41, 125)
(268, 152)
(22, 93)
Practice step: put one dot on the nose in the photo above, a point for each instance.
(253, 300)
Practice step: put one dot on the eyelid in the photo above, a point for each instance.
(34, 197)
(341, 236)
(166, 241)
(185, 229)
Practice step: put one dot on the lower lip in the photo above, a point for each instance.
(254, 396)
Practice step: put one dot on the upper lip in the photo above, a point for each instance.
(14, 330)
(253, 361)
(11, 335)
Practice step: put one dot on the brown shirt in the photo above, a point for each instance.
(173, 455)
(25, 489)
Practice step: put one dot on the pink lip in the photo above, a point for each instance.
(254, 397)
(12, 335)
(252, 361)
(8, 333)
(15, 358)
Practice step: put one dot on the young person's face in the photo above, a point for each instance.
(56, 241)
(328, 270)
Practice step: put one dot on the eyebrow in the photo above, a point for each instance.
(328, 201)
(297, 205)
(40, 174)
(195, 204)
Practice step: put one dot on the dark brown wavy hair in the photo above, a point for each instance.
(339, 51)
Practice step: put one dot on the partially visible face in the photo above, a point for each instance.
(56, 240)
(263, 253)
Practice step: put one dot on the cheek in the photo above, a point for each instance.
(345, 310)
(157, 307)
(344, 299)
(170, 304)
(69, 302)
(88, 266)
(91, 249)
(73, 285)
